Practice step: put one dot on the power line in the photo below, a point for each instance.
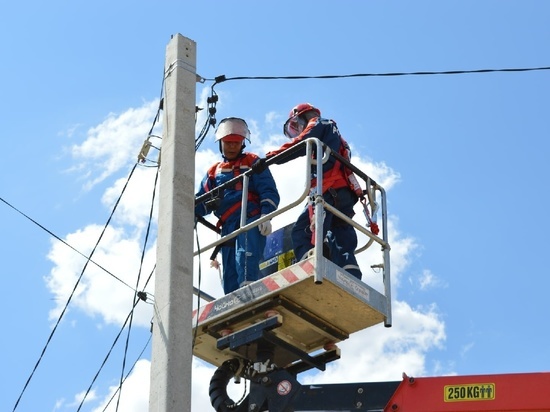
(64, 242)
(107, 356)
(223, 78)
(88, 258)
(136, 295)
(73, 291)
(129, 372)
(211, 119)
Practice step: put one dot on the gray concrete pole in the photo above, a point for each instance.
(172, 330)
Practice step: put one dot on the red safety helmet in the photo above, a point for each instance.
(302, 108)
(296, 123)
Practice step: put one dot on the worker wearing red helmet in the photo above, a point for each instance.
(305, 121)
(241, 258)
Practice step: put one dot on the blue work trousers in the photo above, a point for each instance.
(241, 259)
(340, 236)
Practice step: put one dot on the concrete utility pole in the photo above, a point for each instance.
(172, 329)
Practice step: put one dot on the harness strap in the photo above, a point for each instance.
(334, 178)
(370, 221)
(311, 214)
(251, 198)
(227, 243)
(237, 172)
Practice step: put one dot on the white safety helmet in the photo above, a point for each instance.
(232, 128)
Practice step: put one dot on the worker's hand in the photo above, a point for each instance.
(215, 264)
(265, 227)
(259, 166)
(211, 205)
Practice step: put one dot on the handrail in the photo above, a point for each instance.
(281, 210)
(316, 196)
(230, 183)
(310, 162)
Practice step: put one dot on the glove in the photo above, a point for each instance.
(259, 166)
(212, 205)
(265, 227)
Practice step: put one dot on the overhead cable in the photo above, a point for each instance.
(88, 259)
(64, 242)
(136, 295)
(223, 78)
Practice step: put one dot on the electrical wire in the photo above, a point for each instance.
(73, 291)
(106, 357)
(139, 295)
(129, 372)
(210, 118)
(136, 298)
(212, 100)
(222, 78)
(198, 287)
(64, 242)
(143, 297)
(161, 105)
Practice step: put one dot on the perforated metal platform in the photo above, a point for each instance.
(310, 316)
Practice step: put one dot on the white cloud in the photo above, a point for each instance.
(113, 144)
(466, 348)
(59, 404)
(135, 205)
(274, 120)
(383, 354)
(203, 160)
(99, 293)
(79, 397)
(135, 392)
(109, 147)
(428, 280)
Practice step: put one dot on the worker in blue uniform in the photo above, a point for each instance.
(305, 122)
(241, 257)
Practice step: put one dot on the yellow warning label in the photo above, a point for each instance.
(286, 259)
(470, 392)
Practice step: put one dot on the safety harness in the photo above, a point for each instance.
(252, 197)
(341, 176)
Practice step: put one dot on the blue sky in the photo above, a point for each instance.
(463, 158)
